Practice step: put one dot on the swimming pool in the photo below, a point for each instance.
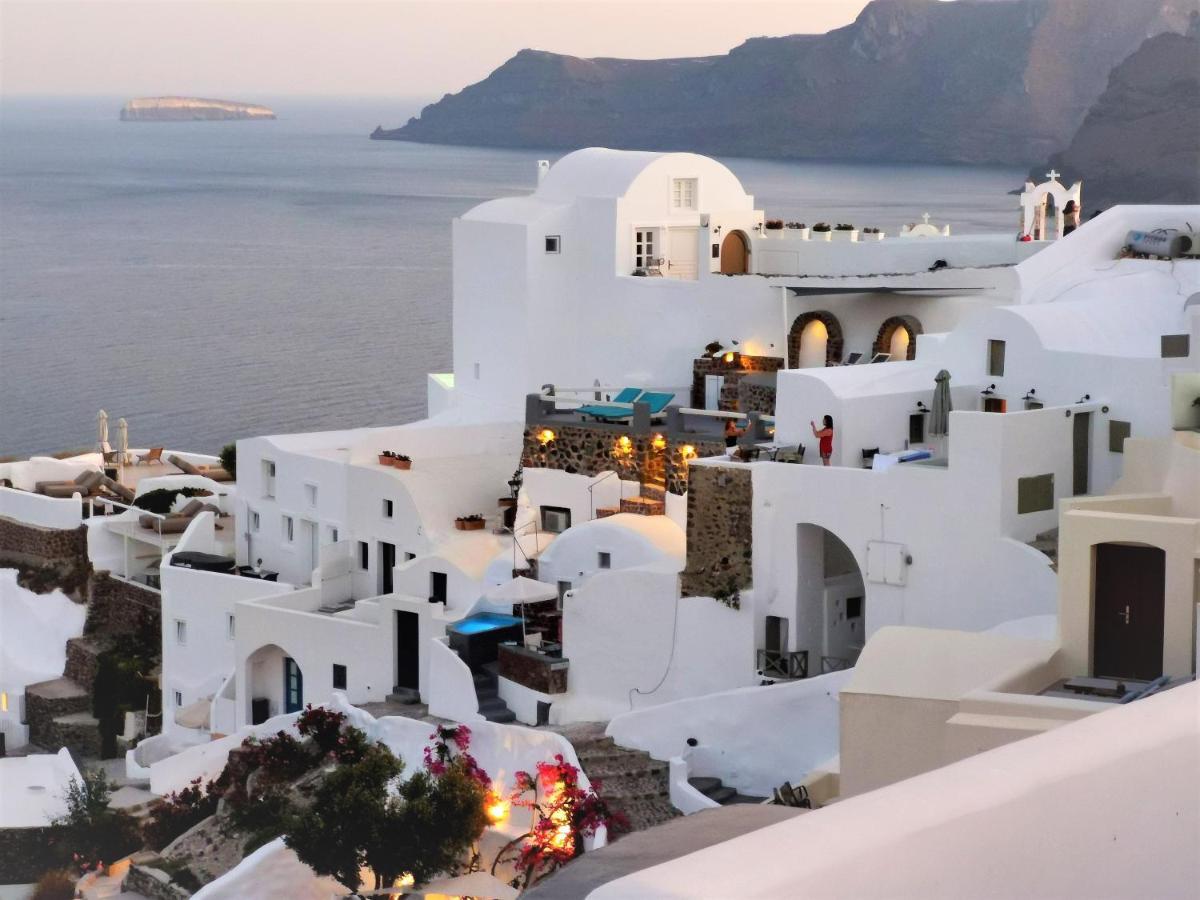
(481, 622)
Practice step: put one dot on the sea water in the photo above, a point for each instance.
(215, 280)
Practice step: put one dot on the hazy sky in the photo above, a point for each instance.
(238, 49)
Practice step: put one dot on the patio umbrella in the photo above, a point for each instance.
(122, 441)
(939, 421)
(519, 591)
(101, 428)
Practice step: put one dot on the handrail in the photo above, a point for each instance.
(592, 484)
(713, 413)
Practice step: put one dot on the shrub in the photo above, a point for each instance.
(55, 885)
(774, 224)
(323, 725)
(122, 685)
(162, 499)
(821, 226)
(229, 459)
(842, 226)
(91, 834)
(179, 811)
(280, 758)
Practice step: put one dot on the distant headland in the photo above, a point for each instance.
(190, 109)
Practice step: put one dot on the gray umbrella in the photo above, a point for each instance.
(940, 419)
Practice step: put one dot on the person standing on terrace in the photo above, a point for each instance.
(825, 435)
(732, 433)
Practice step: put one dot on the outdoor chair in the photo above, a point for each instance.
(601, 411)
(852, 359)
(111, 456)
(154, 456)
(868, 457)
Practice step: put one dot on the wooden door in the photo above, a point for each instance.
(1128, 600)
(681, 259)
(293, 686)
(734, 254)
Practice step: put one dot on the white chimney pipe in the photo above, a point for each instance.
(542, 168)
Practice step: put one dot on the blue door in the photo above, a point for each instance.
(293, 686)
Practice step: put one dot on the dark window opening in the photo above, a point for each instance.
(604, 560)
(854, 607)
(552, 243)
(995, 357)
(364, 555)
(339, 677)
(556, 519)
(916, 428)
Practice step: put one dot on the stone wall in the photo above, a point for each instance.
(733, 373)
(47, 558)
(756, 396)
(24, 854)
(719, 531)
(155, 884)
(678, 469)
(122, 608)
(532, 670)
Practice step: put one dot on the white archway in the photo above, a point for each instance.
(1034, 202)
(814, 342)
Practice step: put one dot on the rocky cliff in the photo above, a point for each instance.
(1140, 143)
(979, 81)
(190, 109)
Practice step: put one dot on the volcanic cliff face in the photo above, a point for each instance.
(1140, 143)
(190, 109)
(981, 81)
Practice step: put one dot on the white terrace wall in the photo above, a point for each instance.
(25, 474)
(634, 642)
(39, 510)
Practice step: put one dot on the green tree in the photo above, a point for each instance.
(91, 834)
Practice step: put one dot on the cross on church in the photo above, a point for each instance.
(925, 217)
(1053, 175)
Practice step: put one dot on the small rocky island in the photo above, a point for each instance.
(190, 109)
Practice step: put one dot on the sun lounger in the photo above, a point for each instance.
(216, 473)
(85, 484)
(177, 522)
(656, 401)
(601, 411)
(117, 489)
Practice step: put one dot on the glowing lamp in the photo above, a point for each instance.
(545, 436)
(687, 451)
(729, 356)
(497, 810)
(624, 445)
(658, 442)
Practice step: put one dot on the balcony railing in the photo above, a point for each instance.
(783, 663)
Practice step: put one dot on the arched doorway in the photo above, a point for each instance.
(898, 337)
(831, 617)
(735, 254)
(804, 342)
(274, 683)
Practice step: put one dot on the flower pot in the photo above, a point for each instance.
(804, 233)
(401, 463)
(469, 524)
(385, 460)
(822, 235)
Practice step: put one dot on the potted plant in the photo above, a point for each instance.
(873, 234)
(395, 460)
(823, 231)
(385, 457)
(774, 224)
(473, 522)
(507, 502)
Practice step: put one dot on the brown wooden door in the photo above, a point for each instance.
(733, 254)
(1129, 592)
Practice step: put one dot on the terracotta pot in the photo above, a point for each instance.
(469, 524)
(401, 463)
(385, 460)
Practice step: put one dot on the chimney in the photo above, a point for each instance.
(543, 168)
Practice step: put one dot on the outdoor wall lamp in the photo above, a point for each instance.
(687, 451)
(624, 446)
(1084, 399)
(921, 407)
(989, 390)
(1030, 395)
(545, 436)
(658, 442)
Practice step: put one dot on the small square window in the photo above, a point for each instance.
(333, 534)
(1035, 494)
(178, 699)
(1117, 432)
(604, 560)
(364, 555)
(553, 243)
(180, 631)
(854, 607)
(289, 529)
(683, 193)
(388, 509)
(339, 677)
(1176, 346)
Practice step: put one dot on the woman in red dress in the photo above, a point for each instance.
(825, 434)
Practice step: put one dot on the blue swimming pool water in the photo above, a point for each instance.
(485, 622)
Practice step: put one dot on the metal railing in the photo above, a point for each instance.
(783, 663)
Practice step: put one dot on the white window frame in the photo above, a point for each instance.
(685, 194)
(181, 632)
(288, 528)
(644, 242)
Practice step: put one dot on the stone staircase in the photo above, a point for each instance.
(632, 781)
(1047, 543)
(651, 501)
(715, 789)
(59, 714)
(491, 707)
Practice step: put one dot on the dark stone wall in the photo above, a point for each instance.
(733, 372)
(719, 530)
(754, 396)
(835, 342)
(47, 558)
(24, 854)
(122, 608)
(532, 671)
(883, 338)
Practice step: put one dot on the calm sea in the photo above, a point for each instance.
(216, 280)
